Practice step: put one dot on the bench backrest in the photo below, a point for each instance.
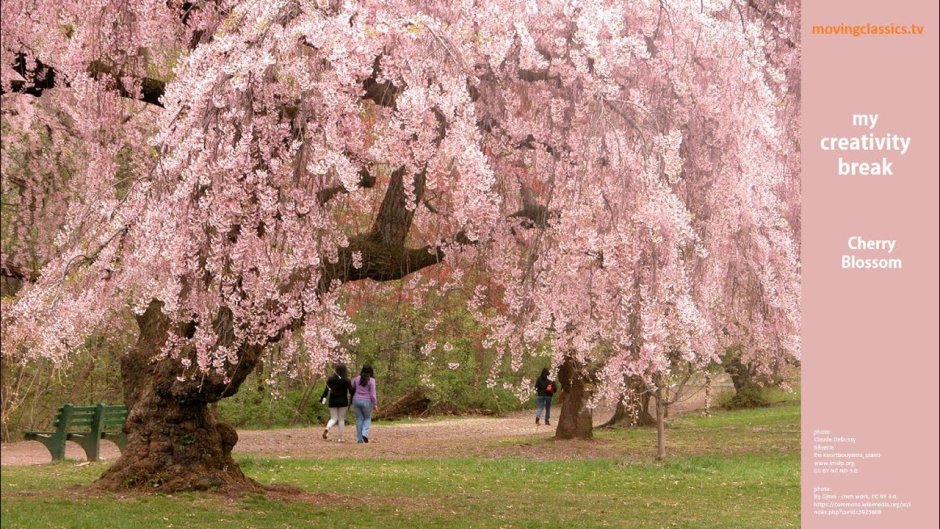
(112, 417)
(84, 418)
(71, 417)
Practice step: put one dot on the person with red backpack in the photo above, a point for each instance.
(544, 391)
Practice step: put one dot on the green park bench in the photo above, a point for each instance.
(85, 425)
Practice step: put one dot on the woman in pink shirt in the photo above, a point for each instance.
(364, 402)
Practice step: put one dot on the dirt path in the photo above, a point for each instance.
(469, 436)
(388, 440)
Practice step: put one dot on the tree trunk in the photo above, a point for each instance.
(174, 442)
(636, 415)
(636, 410)
(660, 426)
(748, 386)
(708, 394)
(741, 375)
(575, 421)
(645, 418)
(621, 416)
(739, 372)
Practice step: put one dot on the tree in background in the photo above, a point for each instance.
(236, 163)
(673, 236)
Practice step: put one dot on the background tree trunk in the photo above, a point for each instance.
(299, 412)
(738, 371)
(620, 417)
(174, 442)
(415, 403)
(575, 421)
(635, 411)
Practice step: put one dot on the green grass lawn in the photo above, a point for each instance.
(737, 469)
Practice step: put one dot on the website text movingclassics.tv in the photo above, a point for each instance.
(862, 30)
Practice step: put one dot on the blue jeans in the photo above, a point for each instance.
(363, 410)
(543, 403)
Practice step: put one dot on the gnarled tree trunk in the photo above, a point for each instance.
(575, 421)
(174, 442)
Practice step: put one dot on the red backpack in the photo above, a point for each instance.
(550, 388)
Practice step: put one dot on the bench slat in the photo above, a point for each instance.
(79, 414)
(77, 422)
(77, 419)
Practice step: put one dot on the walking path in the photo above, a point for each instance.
(469, 436)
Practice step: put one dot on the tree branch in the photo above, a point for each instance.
(151, 90)
(17, 273)
(366, 181)
(394, 219)
(43, 77)
(379, 262)
(388, 261)
(38, 79)
(381, 93)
